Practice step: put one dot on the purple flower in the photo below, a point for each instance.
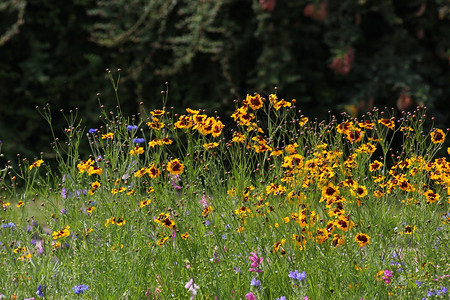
(80, 289)
(281, 298)
(93, 130)
(256, 261)
(255, 282)
(40, 291)
(138, 140)
(9, 225)
(64, 193)
(250, 296)
(132, 127)
(296, 275)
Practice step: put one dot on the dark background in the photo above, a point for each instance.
(344, 55)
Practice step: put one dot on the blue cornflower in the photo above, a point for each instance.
(132, 127)
(281, 298)
(255, 282)
(40, 291)
(443, 290)
(80, 289)
(9, 225)
(296, 275)
(138, 140)
(93, 130)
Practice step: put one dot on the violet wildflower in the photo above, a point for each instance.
(281, 298)
(40, 291)
(174, 180)
(255, 282)
(138, 141)
(132, 127)
(64, 193)
(387, 276)
(256, 261)
(80, 289)
(9, 225)
(93, 130)
(250, 296)
(192, 288)
(296, 275)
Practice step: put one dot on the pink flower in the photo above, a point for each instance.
(387, 276)
(256, 261)
(342, 63)
(250, 296)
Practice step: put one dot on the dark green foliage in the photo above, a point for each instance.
(214, 51)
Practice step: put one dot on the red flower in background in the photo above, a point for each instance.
(342, 63)
(316, 12)
(267, 5)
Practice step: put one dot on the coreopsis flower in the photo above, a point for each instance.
(157, 112)
(36, 164)
(137, 150)
(175, 167)
(303, 121)
(61, 233)
(291, 148)
(282, 103)
(184, 122)
(330, 191)
(217, 128)
(409, 229)
(354, 135)
(278, 245)
(192, 111)
(376, 165)
(156, 124)
(85, 165)
(437, 136)
(338, 239)
(94, 186)
(109, 136)
(19, 204)
(366, 124)
(144, 203)
(362, 239)
(140, 173)
(185, 236)
(210, 145)
(431, 196)
(153, 171)
(388, 123)
(255, 102)
(94, 170)
(162, 241)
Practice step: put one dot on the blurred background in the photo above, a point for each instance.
(347, 55)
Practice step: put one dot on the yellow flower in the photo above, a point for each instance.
(36, 164)
(137, 150)
(303, 121)
(388, 123)
(19, 204)
(145, 203)
(61, 233)
(94, 170)
(84, 165)
(437, 136)
(175, 167)
(362, 239)
(157, 112)
(109, 135)
(185, 236)
(210, 145)
(255, 102)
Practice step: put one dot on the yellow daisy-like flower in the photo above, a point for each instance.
(255, 102)
(157, 112)
(61, 233)
(36, 164)
(137, 150)
(388, 123)
(362, 239)
(175, 167)
(109, 135)
(19, 204)
(144, 203)
(185, 236)
(303, 121)
(437, 136)
(376, 165)
(210, 145)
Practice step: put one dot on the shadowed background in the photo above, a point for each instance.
(329, 55)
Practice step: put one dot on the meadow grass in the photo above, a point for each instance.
(271, 206)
